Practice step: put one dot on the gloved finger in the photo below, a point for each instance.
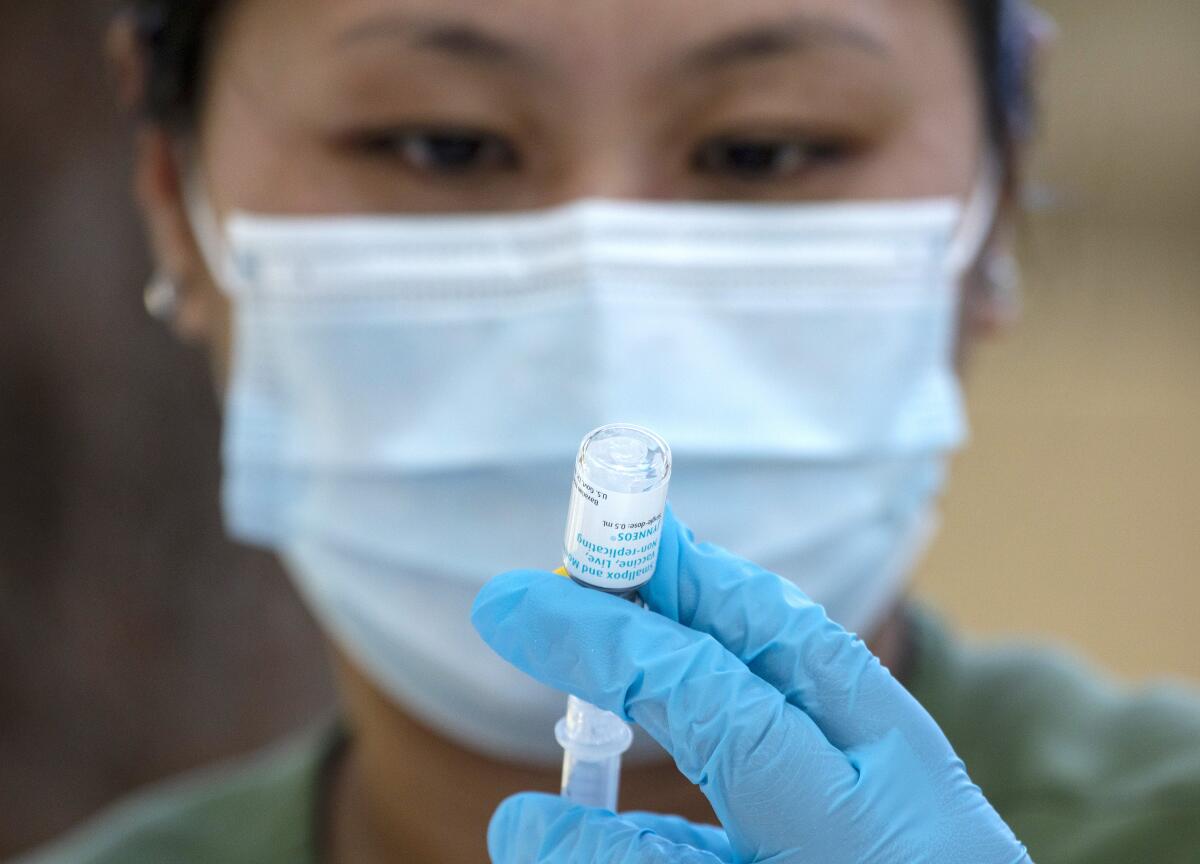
(782, 637)
(727, 729)
(548, 829)
(708, 838)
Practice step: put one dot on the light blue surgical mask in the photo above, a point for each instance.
(407, 395)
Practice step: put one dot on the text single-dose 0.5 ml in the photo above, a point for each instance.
(618, 498)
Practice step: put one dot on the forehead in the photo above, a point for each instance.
(599, 28)
(630, 35)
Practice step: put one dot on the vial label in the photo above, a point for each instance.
(612, 537)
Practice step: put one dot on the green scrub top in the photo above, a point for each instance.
(1081, 770)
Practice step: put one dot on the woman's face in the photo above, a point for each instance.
(457, 105)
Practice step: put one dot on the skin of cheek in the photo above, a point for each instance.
(935, 149)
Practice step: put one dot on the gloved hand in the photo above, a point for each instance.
(807, 748)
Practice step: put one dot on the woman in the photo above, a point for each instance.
(761, 228)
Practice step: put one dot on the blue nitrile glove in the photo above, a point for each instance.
(807, 748)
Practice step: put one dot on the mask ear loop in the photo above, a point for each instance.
(978, 220)
(210, 237)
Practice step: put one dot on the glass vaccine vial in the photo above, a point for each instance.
(618, 497)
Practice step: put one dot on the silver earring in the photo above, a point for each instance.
(161, 296)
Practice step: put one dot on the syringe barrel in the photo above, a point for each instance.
(592, 740)
(591, 784)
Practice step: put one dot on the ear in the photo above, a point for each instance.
(992, 296)
(158, 172)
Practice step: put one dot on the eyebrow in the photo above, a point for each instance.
(453, 38)
(765, 41)
(756, 43)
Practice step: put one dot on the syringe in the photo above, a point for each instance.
(614, 524)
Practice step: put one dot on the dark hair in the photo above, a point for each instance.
(176, 33)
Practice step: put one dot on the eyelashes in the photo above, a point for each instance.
(455, 152)
(442, 151)
(763, 158)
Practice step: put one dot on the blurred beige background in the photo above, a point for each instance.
(136, 642)
(1075, 515)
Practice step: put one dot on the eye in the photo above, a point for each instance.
(442, 151)
(762, 158)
